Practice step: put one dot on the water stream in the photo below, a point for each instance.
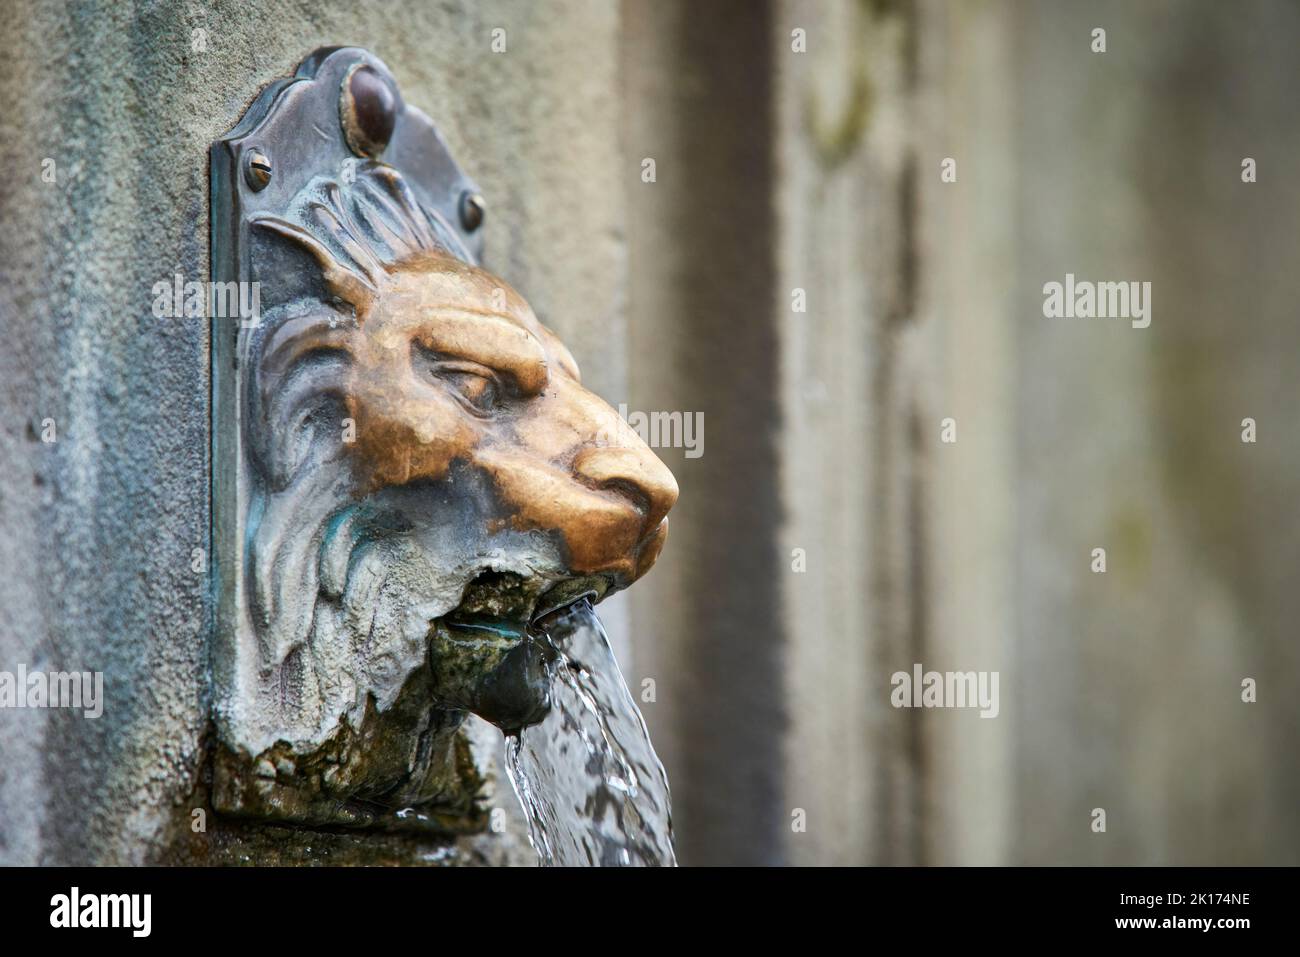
(587, 776)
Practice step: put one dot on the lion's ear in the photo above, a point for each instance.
(296, 411)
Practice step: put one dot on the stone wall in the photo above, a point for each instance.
(100, 526)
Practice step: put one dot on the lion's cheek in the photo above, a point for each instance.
(394, 451)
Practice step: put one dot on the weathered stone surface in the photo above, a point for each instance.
(100, 528)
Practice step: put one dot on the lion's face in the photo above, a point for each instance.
(451, 368)
(427, 484)
(477, 481)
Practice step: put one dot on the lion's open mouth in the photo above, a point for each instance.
(492, 654)
(505, 598)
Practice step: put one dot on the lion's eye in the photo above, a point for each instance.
(477, 389)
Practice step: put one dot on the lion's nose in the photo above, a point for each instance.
(636, 473)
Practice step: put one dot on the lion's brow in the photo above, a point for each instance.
(493, 340)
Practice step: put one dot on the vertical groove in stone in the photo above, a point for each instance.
(734, 804)
(702, 247)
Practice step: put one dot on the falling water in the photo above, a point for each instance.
(588, 777)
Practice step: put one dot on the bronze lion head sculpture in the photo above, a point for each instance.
(426, 478)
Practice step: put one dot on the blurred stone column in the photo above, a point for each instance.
(1129, 682)
(1119, 691)
(964, 360)
(851, 537)
(773, 286)
(698, 102)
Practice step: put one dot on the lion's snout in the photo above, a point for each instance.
(610, 513)
(636, 474)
